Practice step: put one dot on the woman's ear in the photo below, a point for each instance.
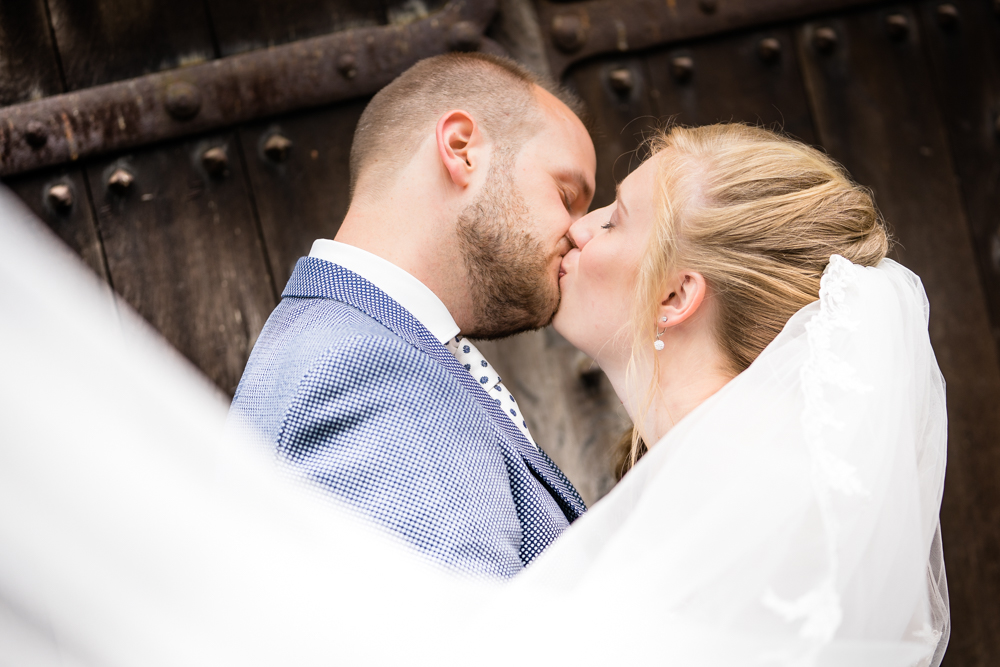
(682, 299)
(458, 143)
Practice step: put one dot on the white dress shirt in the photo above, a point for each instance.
(404, 289)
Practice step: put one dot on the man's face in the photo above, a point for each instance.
(513, 236)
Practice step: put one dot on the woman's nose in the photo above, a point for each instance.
(581, 231)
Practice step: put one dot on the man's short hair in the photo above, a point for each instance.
(496, 91)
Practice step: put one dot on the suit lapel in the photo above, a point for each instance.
(318, 278)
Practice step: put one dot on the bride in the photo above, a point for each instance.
(780, 505)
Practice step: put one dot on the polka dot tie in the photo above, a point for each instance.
(474, 362)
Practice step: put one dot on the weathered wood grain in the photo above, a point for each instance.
(965, 61)
(182, 246)
(29, 70)
(732, 82)
(305, 197)
(875, 111)
(183, 250)
(28, 66)
(108, 40)
(245, 25)
(620, 116)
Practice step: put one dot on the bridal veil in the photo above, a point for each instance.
(792, 519)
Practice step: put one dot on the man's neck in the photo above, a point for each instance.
(424, 248)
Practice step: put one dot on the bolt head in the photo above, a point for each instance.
(347, 65)
(183, 100)
(897, 25)
(708, 6)
(277, 147)
(215, 161)
(120, 181)
(769, 49)
(35, 134)
(621, 80)
(681, 68)
(825, 39)
(464, 36)
(60, 196)
(568, 32)
(947, 15)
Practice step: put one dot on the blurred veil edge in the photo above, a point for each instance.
(136, 528)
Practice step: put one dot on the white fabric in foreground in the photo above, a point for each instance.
(790, 520)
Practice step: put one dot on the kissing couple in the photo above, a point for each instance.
(787, 457)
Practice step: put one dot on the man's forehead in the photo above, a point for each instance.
(555, 108)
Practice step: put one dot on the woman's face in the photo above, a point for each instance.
(597, 277)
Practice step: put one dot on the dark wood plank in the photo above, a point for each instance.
(182, 247)
(620, 117)
(875, 111)
(731, 81)
(28, 66)
(29, 70)
(244, 25)
(110, 40)
(74, 226)
(965, 61)
(305, 197)
(183, 250)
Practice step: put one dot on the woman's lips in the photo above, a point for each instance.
(564, 265)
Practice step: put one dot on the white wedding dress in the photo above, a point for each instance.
(792, 519)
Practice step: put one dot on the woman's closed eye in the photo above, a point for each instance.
(612, 221)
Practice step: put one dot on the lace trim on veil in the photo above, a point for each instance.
(820, 607)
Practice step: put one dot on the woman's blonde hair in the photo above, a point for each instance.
(758, 215)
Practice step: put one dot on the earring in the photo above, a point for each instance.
(658, 344)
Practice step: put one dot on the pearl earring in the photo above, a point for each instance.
(658, 344)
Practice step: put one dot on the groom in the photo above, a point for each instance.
(466, 173)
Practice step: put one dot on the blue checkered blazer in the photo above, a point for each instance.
(360, 398)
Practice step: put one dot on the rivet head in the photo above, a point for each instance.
(347, 65)
(60, 196)
(769, 49)
(621, 80)
(897, 25)
(825, 39)
(120, 181)
(183, 100)
(215, 161)
(708, 6)
(277, 147)
(568, 32)
(35, 134)
(464, 36)
(681, 68)
(947, 15)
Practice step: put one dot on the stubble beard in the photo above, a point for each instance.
(507, 267)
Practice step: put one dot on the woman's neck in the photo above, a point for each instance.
(689, 371)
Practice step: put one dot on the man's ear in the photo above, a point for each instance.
(682, 299)
(458, 141)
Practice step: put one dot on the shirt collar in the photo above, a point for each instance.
(404, 289)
